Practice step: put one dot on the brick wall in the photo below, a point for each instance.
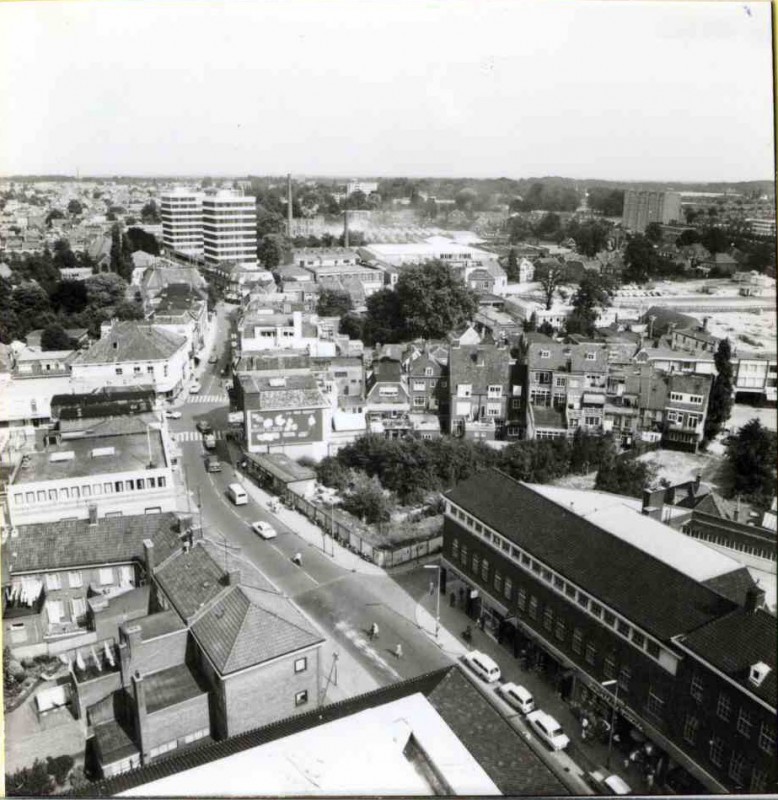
(217, 699)
(175, 722)
(88, 693)
(267, 693)
(157, 654)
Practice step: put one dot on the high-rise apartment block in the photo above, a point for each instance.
(182, 221)
(641, 208)
(229, 228)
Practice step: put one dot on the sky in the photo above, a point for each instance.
(666, 91)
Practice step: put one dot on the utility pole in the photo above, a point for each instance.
(437, 604)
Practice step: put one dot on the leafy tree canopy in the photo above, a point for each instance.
(752, 455)
(55, 338)
(333, 303)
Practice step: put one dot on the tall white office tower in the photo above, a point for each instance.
(229, 228)
(182, 221)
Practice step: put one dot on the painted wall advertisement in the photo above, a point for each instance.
(285, 427)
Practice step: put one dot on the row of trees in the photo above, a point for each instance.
(411, 469)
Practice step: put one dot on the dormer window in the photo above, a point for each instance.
(545, 354)
(758, 673)
(591, 356)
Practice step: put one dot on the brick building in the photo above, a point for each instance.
(572, 580)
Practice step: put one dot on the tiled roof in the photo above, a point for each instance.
(168, 687)
(495, 745)
(464, 366)
(691, 384)
(130, 341)
(736, 642)
(620, 574)
(190, 581)
(70, 543)
(732, 585)
(113, 742)
(248, 626)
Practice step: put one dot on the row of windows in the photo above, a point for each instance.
(138, 370)
(89, 491)
(737, 765)
(559, 584)
(725, 541)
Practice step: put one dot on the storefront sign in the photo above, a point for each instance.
(285, 427)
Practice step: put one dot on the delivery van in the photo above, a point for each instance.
(237, 494)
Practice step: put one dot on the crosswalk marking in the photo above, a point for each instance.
(195, 436)
(220, 399)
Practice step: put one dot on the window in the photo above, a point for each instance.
(455, 549)
(695, 399)
(548, 619)
(536, 566)
(638, 639)
(163, 748)
(53, 581)
(497, 581)
(744, 723)
(79, 608)
(476, 563)
(494, 391)
(107, 488)
(30, 497)
(758, 780)
(625, 675)
(86, 491)
(623, 628)
(161, 481)
(106, 576)
(301, 664)
(591, 356)
(545, 354)
(119, 370)
(737, 765)
(52, 495)
(119, 486)
(193, 737)
(419, 386)
(126, 574)
(591, 653)
(464, 390)
(560, 381)
(75, 580)
(674, 416)
(676, 397)
(583, 600)
(136, 370)
(717, 751)
(561, 630)
(724, 707)
(608, 618)
(463, 555)
(54, 611)
(690, 729)
(521, 599)
(525, 559)
(301, 698)
(656, 704)
(484, 570)
(570, 590)
(429, 371)
(696, 688)
(150, 369)
(152, 482)
(533, 607)
(577, 641)
(609, 666)
(767, 738)
(140, 483)
(653, 649)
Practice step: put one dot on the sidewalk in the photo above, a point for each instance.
(587, 754)
(306, 530)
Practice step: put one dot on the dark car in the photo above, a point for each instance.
(204, 427)
(212, 464)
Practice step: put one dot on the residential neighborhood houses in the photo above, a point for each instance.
(212, 474)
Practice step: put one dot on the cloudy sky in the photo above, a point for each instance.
(621, 90)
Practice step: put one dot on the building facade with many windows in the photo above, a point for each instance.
(642, 208)
(572, 580)
(229, 228)
(182, 221)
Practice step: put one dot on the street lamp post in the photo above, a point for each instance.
(613, 717)
(437, 604)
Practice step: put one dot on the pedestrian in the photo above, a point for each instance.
(650, 780)
(298, 559)
(584, 726)
(398, 651)
(374, 631)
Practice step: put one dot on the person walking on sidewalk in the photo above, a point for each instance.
(297, 559)
(373, 631)
(398, 651)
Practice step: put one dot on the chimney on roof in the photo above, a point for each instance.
(233, 577)
(705, 323)
(479, 358)
(148, 557)
(140, 710)
(754, 599)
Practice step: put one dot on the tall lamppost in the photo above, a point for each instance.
(607, 684)
(437, 605)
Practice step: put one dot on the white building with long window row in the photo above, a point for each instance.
(182, 221)
(229, 228)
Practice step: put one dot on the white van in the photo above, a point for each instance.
(237, 494)
(518, 697)
(483, 666)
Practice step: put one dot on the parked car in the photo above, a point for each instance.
(483, 666)
(548, 729)
(173, 414)
(264, 529)
(212, 464)
(604, 783)
(204, 427)
(517, 696)
(194, 387)
(209, 441)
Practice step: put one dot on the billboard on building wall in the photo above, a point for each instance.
(285, 427)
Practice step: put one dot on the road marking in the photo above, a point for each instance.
(362, 645)
(281, 552)
(195, 436)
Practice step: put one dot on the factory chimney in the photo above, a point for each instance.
(289, 205)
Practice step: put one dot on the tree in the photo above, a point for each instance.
(150, 213)
(433, 301)
(610, 202)
(720, 400)
(551, 277)
(384, 321)
(624, 475)
(127, 310)
(70, 296)
(274, 250)
(653, 232)
(688, 237)
(75, 209)
(55, 338)
(549, 225)
(333, 303)
(518, 230)
(641, 260)
(121, 258)
(141, 240)
(55, 213)
(31, 781)
(367, 500)
(353, 326)
(546, 328)
(269, 222)
(593, 293)
(106, 289)
(512, 267)
(64, 257)
(752, 455)
(715, 240)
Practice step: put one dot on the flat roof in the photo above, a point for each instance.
(282, 467)
(159, 624)
(132, 451)
(171, 686)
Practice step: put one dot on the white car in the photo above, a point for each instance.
(517, 696)
(548, 729)
(264, 529)
(483, 666)
(194, 387)
(173, 414)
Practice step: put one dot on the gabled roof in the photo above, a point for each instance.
(190, 580)
(611, 568)
(65, 544)
(734, 643)
(249, 626)
(131, 341)
(480, 365)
